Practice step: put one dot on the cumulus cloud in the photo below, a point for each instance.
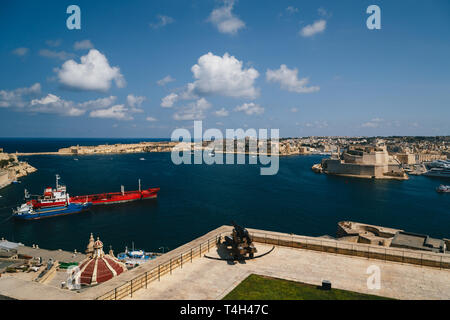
(165, 80)
(224, 19)
(61, 55)
(221, 113)
(98, 103)
(162, 21)
(374, 123)
(118, 112)
(135, 102)
(93, 73)
(194, 111)
(20, 51)
(312, 29)
(83, 45)
(288, 79)
(224, 76)
(250, 108)
(18, 98)
(27, 99)
(169, 100)
(54, 104)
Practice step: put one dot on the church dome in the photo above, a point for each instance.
(99, 267)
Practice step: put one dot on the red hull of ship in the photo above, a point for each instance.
(116, 197)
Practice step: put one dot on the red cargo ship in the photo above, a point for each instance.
(117, 197)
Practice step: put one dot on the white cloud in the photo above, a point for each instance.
(288, 79)
(98, 103)
(62, 55)
(20, 51)
(224, 76)
(250, 108)
(194, 111)
(93, 73)
(53, 43)
(83, 45)
(135, 102)
(118, 112)
(221, 113)
(54, 104)
(317, 124)
(25, 99)
(169, 100)
(151, 119)
(291, 10)
(18, 98)
(162, 21)
(224, 19)
(323, 13)
(374, 123)
(165, 80)
(312, 29)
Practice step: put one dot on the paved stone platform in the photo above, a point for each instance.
(213, 279)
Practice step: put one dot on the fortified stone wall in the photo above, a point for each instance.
(336, 167)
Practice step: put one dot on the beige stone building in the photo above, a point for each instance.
(406, 158)
(364, 161)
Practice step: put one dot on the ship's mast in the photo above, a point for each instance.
(57, 178)
(139, 185)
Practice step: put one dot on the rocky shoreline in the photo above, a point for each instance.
(12, 169)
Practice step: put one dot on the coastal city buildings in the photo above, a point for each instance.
(407, 150)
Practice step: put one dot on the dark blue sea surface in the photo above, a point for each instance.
(195, 199)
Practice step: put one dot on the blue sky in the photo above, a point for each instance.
(144, 68)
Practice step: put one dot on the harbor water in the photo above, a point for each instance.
(197, 198)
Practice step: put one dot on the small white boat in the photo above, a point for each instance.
(443, 189)
(142, 159)
(135, 257)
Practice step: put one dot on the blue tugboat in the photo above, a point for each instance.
(27, 212)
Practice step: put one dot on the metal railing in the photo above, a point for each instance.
(142, 281)
(405, 256)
